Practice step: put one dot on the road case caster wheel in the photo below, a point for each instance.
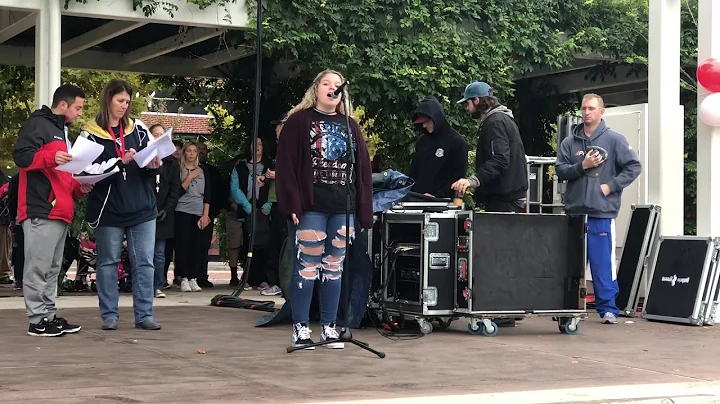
(444, 324)
(569, 326)
(475, 329)
(426, 327)
(489, 331)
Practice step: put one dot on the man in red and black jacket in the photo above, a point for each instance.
(45, 205)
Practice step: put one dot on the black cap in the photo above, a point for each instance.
(279, 120)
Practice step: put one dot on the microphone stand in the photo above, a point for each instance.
(345, 333)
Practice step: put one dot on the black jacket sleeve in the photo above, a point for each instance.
(207, 192)
(497, 145)
(28, 152)
(175, 188)
(457, 170)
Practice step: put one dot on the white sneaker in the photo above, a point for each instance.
(330, 334)
(194, 286)
(609, 318)
(185, 285)
(159, 294)
(301, 336)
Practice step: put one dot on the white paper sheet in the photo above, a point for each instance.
(84, 152)
(160, 147)
(92, 179)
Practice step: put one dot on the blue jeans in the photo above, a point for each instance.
(320, 246)
(141, 245)
(601, 255)
(159, 262)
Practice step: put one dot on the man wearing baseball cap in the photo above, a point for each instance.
(440, 152)
(500, 178)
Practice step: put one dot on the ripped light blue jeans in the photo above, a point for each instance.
(320, 245)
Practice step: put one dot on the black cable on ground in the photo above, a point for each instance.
(234, 299)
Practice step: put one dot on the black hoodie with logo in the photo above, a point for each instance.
(441, 157)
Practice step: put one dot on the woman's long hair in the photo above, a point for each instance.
(183, 160)
(112, 88)
(310, 98)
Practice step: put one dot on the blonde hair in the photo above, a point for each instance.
(183, 160)
(591, 96)
(310, 99)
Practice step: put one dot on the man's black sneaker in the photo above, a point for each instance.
(301, 336)
(64, 326)
(45, 328)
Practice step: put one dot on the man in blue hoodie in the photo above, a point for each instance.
(598, 163)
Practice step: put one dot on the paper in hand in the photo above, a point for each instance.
(84, 152)
(94, 178)
(160, 147)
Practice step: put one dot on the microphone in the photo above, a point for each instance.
(338, 91)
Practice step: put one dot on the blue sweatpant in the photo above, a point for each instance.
(601, 256)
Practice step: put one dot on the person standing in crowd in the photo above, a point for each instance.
(312, 183)
(595, 183)
(170, 243)
(500, 179)
(122, 207)
(234, 232)
(18, 247)
(191, 218)
(241, 189)
(441, 153)
(5, 233)
(45, 205)
(220, 201)
(167, 192)
(278, 222)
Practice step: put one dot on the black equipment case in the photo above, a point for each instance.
(523, 264)
(417, 275)
(632, 274)
(684, 281)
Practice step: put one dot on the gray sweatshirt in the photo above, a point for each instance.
(583, 194)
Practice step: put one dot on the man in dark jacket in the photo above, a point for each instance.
(598, 163)
(45, 205)
(167, 191)
(500, 179)
(440, 152)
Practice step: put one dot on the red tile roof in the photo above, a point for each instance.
(182, 123)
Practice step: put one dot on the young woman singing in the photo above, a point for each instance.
(311, 190)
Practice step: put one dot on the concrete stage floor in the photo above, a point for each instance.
(244, 364)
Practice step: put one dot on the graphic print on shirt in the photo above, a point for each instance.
(328, 149)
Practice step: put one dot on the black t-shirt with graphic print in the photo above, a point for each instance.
(328, 150)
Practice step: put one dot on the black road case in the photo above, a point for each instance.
(418, 275)
(684, 281)
(632, 274)
(525, 264)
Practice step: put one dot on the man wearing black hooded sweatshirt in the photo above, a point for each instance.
(500, 178)
(440, 152)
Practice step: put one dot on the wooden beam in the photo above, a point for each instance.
(98, 35)
(18, 27)
(182, 40)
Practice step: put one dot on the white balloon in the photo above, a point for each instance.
(710, 110)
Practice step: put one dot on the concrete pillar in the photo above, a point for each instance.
(48, 44)
(708, 138)
(665, 166)
(55, 47)
(42, 57)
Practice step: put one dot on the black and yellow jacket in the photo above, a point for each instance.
(128, 197)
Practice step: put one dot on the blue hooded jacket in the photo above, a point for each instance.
(583, 194)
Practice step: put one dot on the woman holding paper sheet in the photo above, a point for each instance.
(122, 207)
